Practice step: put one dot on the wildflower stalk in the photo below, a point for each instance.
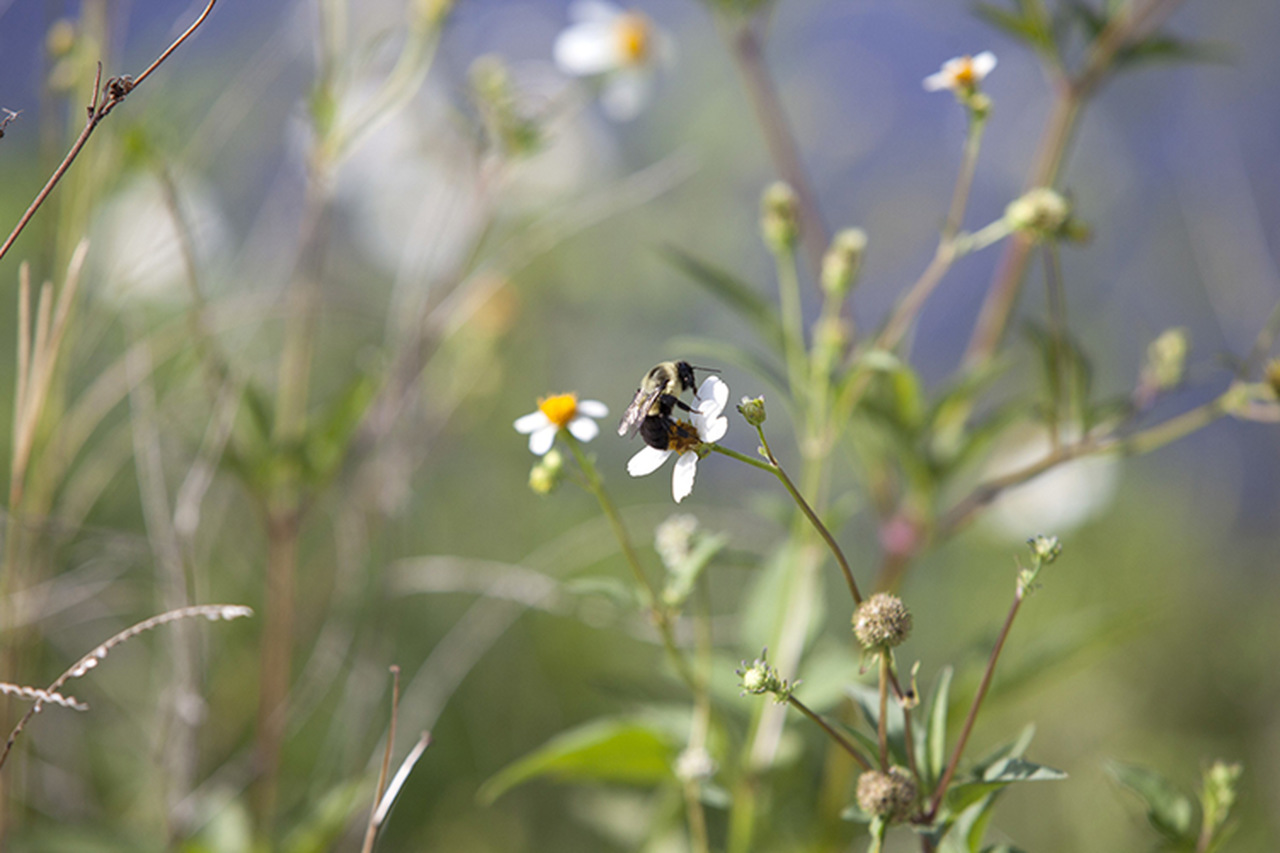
(842, 741)
(882, 726)
(908, 737)
(1045, 550)
(792, 323)
(776, 470)
(1143, 441)
(1071, 94)
(699, 837)
(661, 616)
(748, 55)
(952, 244)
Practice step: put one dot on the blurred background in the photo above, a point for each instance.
(1154, 640)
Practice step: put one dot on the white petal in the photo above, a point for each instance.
(682, 477)
(541, 440)
(714, 396)
(983, 64)
(646, 461)
(593, 408)
(625, 93)
(711, 429)
(581, 11)
(583, 429)
(937, 81)
(531, 422)
(588, 48)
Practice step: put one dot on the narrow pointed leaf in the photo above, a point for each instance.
(611, 750)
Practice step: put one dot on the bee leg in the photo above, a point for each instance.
(676, 401)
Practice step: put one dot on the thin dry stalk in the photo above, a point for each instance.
(371, 831)
(103, 102)
(212, 612)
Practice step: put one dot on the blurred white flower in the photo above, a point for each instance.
(557, 412)
(708, 425)
(142, 251)
(961, 73)
(1057, 501)
(621, 47)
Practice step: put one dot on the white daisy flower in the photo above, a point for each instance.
(707, 425)
(622, 47)
(557, 412)
(961, 74)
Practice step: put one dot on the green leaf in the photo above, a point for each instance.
(1020, 770)
(936, 737)
(327, 443)
(733, 292)
(1165, 48)
(998, 776)
(868, 699)
(1002, 848)
(1169, 811)
(627, 751)
(1029, 23)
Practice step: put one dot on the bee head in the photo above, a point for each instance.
(684, 373)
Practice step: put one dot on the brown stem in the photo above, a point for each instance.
(99, 108)
(748, 55)
(949, 773)
(831, 732)
(283, 525)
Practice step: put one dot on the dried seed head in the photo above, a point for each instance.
(891, 795)
(882, 621)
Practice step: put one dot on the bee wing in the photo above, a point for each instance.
(635, 413)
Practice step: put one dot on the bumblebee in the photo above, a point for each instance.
(657, 397)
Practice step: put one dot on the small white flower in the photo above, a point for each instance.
(622, 47)
(962, 73)
(709, 426)
(557, 412)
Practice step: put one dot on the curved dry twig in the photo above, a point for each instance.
(105, 99)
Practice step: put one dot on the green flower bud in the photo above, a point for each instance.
(891, 795)
(1045, 548)
(547, 473)
(759, 678)
(840, 263)
(1167, 359)
(752, 408)
(779, 217)
(881, 622)
(1041, 210)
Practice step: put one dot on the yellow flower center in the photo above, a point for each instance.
(635, 37)
(682, 437)
(559, 408)
(964, 73)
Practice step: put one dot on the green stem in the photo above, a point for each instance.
(661, 616)
(774, 468)
(792, 326)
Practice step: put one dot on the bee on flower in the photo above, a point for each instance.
(706, 425)
(620, 47)
(557, 412)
